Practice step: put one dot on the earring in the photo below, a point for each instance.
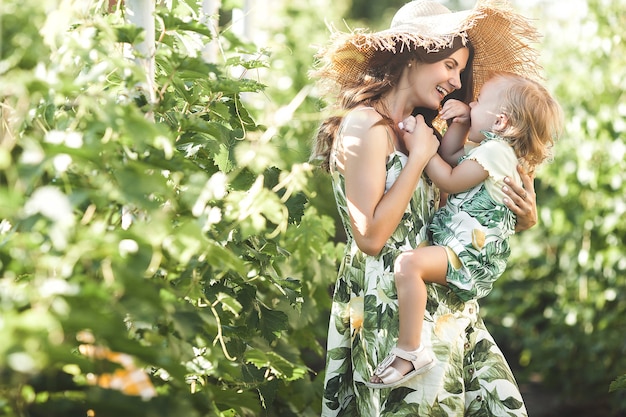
(409, 65)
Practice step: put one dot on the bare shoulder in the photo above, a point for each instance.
(364, 122)
(364, 140)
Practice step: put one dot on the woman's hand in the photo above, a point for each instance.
(522, 201)
(419, 137)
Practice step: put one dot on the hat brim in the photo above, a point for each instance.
(502, 40)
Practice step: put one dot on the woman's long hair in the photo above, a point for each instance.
(385, 71)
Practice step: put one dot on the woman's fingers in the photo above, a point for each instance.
(522, 200)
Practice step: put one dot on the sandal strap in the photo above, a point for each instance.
(384, 364)
(410, 355)
(407, 355)
(421, 359)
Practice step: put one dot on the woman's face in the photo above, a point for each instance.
(432, 82)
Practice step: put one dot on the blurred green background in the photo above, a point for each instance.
(188, 230)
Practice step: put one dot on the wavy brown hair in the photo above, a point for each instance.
(383, 74)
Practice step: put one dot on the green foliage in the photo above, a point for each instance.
(190, 236)
(618, 384)
(161, 230)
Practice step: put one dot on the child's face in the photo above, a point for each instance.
(485, 110)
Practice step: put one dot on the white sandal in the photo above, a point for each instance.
(422, 361)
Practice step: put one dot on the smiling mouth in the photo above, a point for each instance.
(442, 91)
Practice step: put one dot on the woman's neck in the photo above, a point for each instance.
(396, 107)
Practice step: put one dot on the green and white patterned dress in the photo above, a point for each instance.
(475, 225)
(471, 377)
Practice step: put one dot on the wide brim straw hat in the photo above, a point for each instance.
(503, 40)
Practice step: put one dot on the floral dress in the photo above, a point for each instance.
(471, 377)
(475, 225)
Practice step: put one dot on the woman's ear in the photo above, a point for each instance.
(501, 122)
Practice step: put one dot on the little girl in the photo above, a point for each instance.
(513, 120)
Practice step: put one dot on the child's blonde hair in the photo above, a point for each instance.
(535, 119)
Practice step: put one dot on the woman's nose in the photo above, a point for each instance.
(455, 81)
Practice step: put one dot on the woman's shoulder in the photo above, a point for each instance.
(362, 119)
(363, 113)
(361, 122)
(365, 127)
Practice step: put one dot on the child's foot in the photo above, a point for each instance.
(400, 366)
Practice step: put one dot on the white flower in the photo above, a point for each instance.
(5, 226)
(74, 140)
(62, 162)
(127, 217)
(57, 286)
(127, 246)
(32, 156)
(69, 139)
(50, 202)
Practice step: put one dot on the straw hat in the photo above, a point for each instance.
(501, 39)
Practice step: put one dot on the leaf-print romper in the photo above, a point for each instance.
(471, 377)
(475, 225)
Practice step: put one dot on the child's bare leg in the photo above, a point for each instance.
(412, 270)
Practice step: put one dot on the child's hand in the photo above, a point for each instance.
(455, 111)
(408, 124)
(419, 137)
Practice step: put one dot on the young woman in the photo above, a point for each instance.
(513, 120)
(386, 204)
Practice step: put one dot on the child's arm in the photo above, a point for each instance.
(464, 176)
(453, 180)
(457, 114)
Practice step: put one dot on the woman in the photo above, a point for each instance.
(386, 202)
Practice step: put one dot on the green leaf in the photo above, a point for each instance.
(618, 384)
(272, 323)
(229, 303)
(278, 366)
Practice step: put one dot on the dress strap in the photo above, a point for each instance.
(391, 142)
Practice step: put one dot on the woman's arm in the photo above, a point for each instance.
(522, 201)
(374, 214)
